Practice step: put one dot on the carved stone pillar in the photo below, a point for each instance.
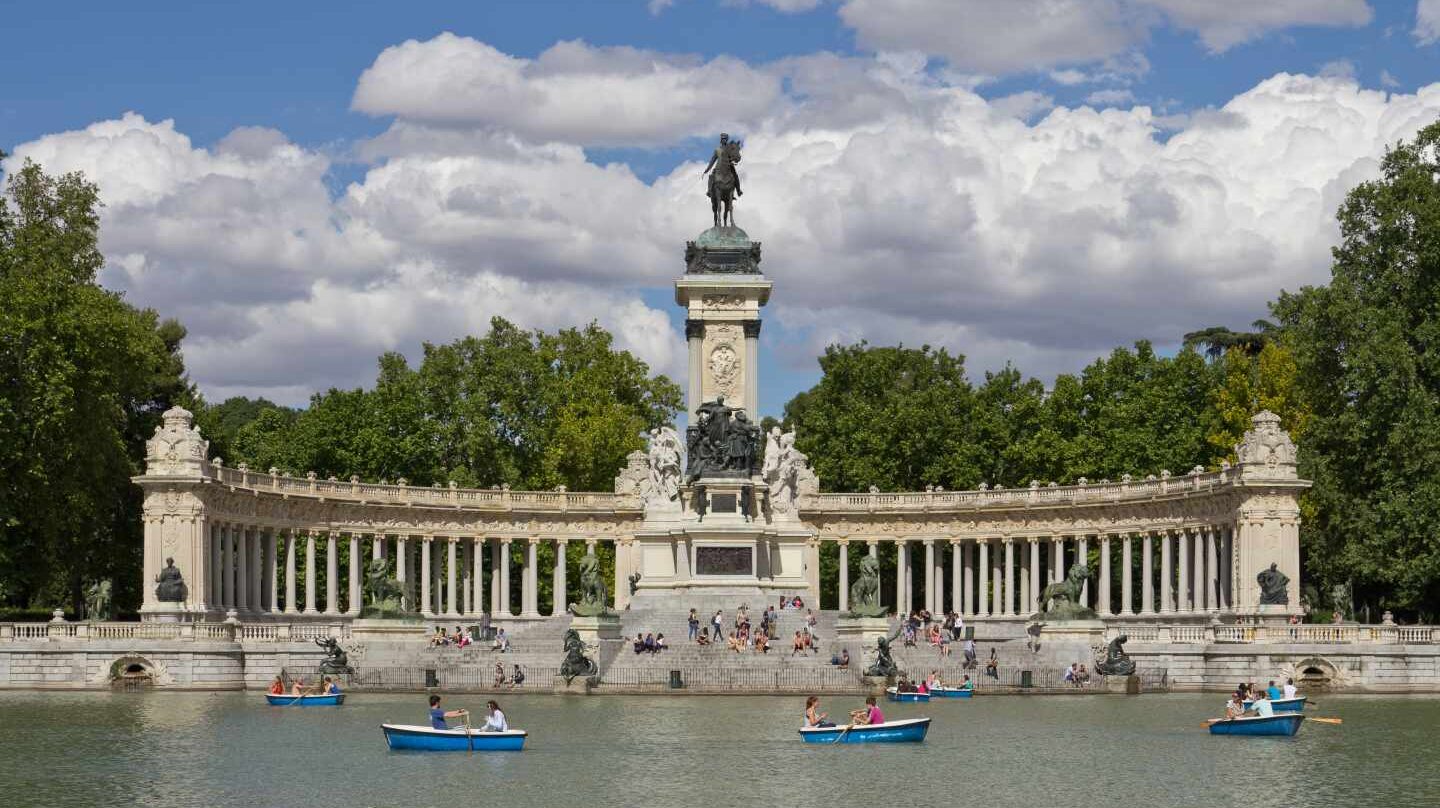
(505, 602)
(291, 550)
(402, 571)
(902, 564)
(332, 573)
(1182, 588)
(227, 567)
(216, 597)
(356, 587)
(427, 604)
(559, 583)
(467, 583)
(1212, 600)
(532, 578)
(967, 561)
(1032, 602)
(1082, 556)
(1008, 599)
(452, 607)
(497, 606)
(844, 588)
(269, 594)
(1167, 573)
(477, 544)
(1127, 572)
(694, 338)
(752, 374)
(957, 583)
(997, 583)
(1147, 574)
(938, 601)
(310, 576)
(1105, 575)
(1057, 559)
(242, 569)
(982, 601)
(929, 545)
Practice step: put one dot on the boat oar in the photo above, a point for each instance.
(1324, 720)
(842, 734)
(469, 739)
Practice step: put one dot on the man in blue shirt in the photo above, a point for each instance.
(438, 714)
(1272, 691)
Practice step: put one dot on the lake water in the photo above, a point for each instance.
(192, 750)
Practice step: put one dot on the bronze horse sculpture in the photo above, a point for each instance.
(724, 184)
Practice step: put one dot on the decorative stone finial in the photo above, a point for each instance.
(176, 448)
(1266, 451)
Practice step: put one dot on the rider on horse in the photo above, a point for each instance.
(725, 178)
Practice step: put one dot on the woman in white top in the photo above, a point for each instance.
(494, 718)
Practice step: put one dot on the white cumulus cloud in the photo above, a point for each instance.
(1427, 22)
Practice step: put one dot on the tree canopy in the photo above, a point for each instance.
(84, 377)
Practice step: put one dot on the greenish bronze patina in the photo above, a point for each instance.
(865, 592)
(1062, 601)
(593, 593)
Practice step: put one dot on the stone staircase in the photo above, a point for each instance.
(536, 646)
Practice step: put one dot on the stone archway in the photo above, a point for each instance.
(1314, 673)
(133, 672)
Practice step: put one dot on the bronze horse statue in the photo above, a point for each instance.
(724, 181)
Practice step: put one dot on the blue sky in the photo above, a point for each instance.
(944, 269)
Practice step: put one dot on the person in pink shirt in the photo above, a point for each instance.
(869, 714)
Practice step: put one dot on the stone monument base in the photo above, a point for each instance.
(377, 628)
(1088, 633)
(594, 629)
(861, 630)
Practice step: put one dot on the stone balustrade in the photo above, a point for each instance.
(192, 632)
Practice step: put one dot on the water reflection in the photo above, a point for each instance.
(224, 750)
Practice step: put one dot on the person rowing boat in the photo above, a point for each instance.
(438, 714)
(869, 714)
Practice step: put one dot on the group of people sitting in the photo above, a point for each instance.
(929, 683)
(869, 714)
(327, 687)
(650, 643)
(516, 679)
(1076, 675)
(1260, 700)
(494, 719)
(744, 636)
(441, 638)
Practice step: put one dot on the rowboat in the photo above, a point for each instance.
(317, 700)
(895, 695)
(1294, 705)
(1285, 724)
(909, 730)
(952, 692)
(409, 736)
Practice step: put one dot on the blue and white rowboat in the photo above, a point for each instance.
(1294, 705)
(909, 730)
(409, 736)
(952, 692)
(1284, 724)
(895, 695)
(317, 700)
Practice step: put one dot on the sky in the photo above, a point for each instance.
(307, 185)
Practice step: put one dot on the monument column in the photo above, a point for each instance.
(227, 569)
(402, 571)
(1057, 560)
(532, 578)
(495, 602)
(752, 361)
(1212, 600)
(268, 593)
(844, 589)
(1008, 603)
(477, 547)
(242, 569)
(1127, 593)
(939, 599)
(902, 563)
(929, 575)
(1227, 566)
(1147, 574)
(1182, 588)
(216, 599)
(1082, 556)
(505, 603)
(558, 586)
(695, 339)
(1032, 604)
(1167, 571)
(467, 583)
(332, 573)
(427, 606)
(967, 561)
(1197, 591)
(310, 576)
(257, 569)
(291, 550)
(957, 593)
(1104, 574)
(356, 584)
(452, 607)
(997, 583)
(982, 603)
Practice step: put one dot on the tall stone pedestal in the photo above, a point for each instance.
(594, 629)
(861, 632)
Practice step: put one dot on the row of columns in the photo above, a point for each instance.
(1002, 577)
(245, 562)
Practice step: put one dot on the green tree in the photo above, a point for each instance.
(1367, 369)
(84, 377)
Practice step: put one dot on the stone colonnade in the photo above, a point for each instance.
(255, 570)
(1184, 571)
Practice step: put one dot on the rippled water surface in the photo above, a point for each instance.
(221, 750)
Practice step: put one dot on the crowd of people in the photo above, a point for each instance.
(650, 643)
(745, 635)
(328, 686)
(930, 683)
(462, 637)
(1260, 698)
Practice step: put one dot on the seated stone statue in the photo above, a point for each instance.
(1115, 662)
(1274, 586)
(170, 584)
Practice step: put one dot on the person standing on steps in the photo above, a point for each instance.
(693, 621)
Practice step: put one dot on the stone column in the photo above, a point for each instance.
(902, 563)
(1147, 574)
(505, 604)
(695, 336)
(682, 560)
(1167, 572)
(270, 595)
(558, 585)
(1057, 560)
(477, 546)
(215, 598)
(957, 587)
(227, 568)
(1197, 591)
(1008, 601)
(1212, 596)
(253, 575)
(752, 369)
(982, 604)
(530, 599)
(467, 583)
(291, 549)
(1032, 577)
(1227, 567)
(332, 573)
(402, 571)
(242, 569)
(437, 578)
(309, 572)
(873, 548)
(1082, 555)
(844, 589)
(930, 575)
(1182, 585)
(938, 606)
(1104, 574)
(495, 602)
(356, 582)
(622, 571)
(1127, 593)
(427, 606)
(377, 547)
(967, 562)
(452, 567)
(997, 584)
